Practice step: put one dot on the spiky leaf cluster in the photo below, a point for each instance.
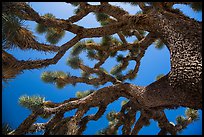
(113, 54)
(90, 41)
(119, 58)
(103, 69)
(196, 6)
(181, 120)
(116, 69)
(53, 35)
(159, 44)
(111, 116)
(101, 16)
(91, 54)
(104, 23)
(191, 113)
(124, 102)
(31, 102)
(143, 33)
(106, 41)
(132, 76)
(80, 94)
(85, 74)
(77, 10)
(77, 49)
(6, 129)
(10, 29)
(50, 77)
(74, 62)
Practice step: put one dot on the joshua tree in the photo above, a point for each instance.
(157, 22)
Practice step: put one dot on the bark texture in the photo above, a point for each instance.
(182, 86)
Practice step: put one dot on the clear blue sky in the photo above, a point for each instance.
(154, 62)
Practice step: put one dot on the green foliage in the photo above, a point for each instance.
(127, 33)
(142, 32)
(50, 77)
(47, 77)
(117, 69)
(180, 120)
(102, 131)
(60, 84)
(80, 94)
(196, 6)
(74, 62)
(104, 23)
(111, 116)
(10, 26)
(49, 15)
(77, 10)
(124, 102)
(103, 69)
(77, 49)
(101, 16)
(159, 44)
(100, 54)
(113, 54)
(106, 41)
(116, 41)
(119, 76)
(90, 41)
(91, 54)
(191, 113)
(119, 57)
(139, 12)
(31, 102)
(53, 35)
(6, 129)
(133, 76)
(85, 74)
(159, 76)
(41, 28)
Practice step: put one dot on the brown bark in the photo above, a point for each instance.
(180, 87)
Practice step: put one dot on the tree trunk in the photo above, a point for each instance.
(183, 37)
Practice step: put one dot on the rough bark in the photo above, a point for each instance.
(180, 87)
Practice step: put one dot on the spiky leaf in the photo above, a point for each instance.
(111, 116)
(77, 49)
(74, 62)
(193, 114)
(119, 57)
(117, 69)
(180, 120)
(47, 77)
(91, 54)
(101, 16)
(196, 6)
(41, 28)
(124, 102)
(31, 102)
(159, 44)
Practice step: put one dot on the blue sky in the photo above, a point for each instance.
(154, 62)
